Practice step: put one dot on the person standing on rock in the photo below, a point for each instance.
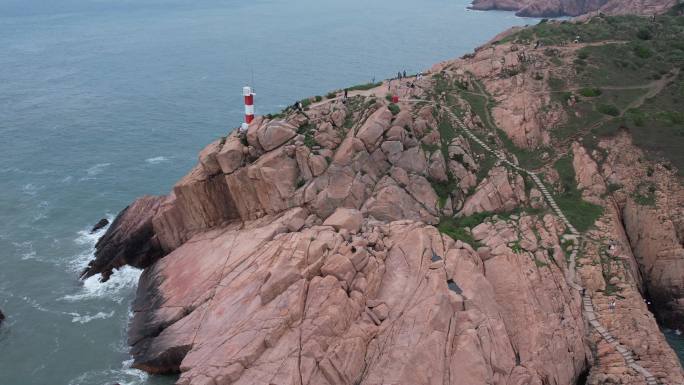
(404, 73)
(345, 93)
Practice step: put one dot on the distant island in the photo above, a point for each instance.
(556, 8)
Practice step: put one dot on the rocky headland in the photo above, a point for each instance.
(502, 223)
(555, 8)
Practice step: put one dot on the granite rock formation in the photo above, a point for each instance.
(316, 249)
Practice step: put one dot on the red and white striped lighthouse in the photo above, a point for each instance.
(248, 93)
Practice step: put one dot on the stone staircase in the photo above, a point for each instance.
(575, 237)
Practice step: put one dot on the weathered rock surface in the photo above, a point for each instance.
(397, 303)
(553, 8)
(304, 253)
(655, 230)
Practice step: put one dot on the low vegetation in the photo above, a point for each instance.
(579, 212)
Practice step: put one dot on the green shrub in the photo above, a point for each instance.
(455, 228)
(306, 102)
(388, 97)
(331, 95)
(644, 194)
(590, 92)
(644, 34)
(319, 98)
(394, 108)
(642, 51)
(608, 109)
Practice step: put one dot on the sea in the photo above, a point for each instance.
(102, 101)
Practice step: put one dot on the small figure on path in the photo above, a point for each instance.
(611, 305)
(345, 93)
(404, 74)
(399, 75)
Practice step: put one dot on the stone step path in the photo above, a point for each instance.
(574, 236)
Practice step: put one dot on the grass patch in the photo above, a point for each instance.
(394, 109)
(590, 92)
(364, 87)
(579, 212)
(456, 227)
(308, 131)
(644, 194)
(608, 109)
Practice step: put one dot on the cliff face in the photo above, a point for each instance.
(364, 242)
(554, 8)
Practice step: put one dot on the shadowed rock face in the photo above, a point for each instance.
(554, 8)
(130, 240)
(2, 317)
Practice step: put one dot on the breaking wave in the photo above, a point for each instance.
(119, 285)
(97, 169)
(83, 319)
(157, 160)
(123, 376)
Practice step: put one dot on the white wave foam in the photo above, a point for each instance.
(157, 160)
(116, 288)
(88, 240)
(25, 249)
(124, 376)
(119, 284)
(97, 169)
(82, 319)
(31, 189)
(41, 210)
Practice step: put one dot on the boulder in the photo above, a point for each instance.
(231, 155)
(102, 223)
(344, 218)
(374, 127)
(275, 133)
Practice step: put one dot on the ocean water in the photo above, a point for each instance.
(102, 101)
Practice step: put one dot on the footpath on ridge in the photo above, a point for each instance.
(576, 239)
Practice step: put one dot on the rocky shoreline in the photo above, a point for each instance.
(364, 241)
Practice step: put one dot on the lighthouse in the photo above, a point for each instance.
(248, 93)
